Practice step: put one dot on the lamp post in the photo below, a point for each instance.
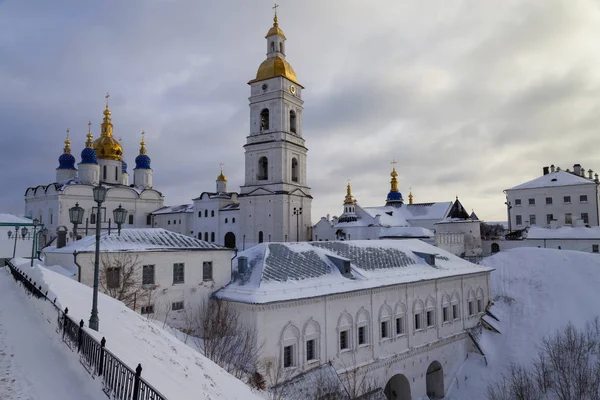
(35, 224)
(76, 217)
(16, 236)
(119, 215)
(43, 232)
(297, 212)
(99, 197)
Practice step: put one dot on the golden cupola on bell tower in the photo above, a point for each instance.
(106, 146)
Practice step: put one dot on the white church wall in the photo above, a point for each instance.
(585, 245)
(7, 244)
(176, 222)
(323, 230)
(460, 237)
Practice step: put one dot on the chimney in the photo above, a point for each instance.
(545, 170)
(577, 169)
(552, 168)
(596, 177)
(61, 239)
(557, 169)
(590, 174)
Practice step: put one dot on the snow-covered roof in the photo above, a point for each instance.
(287, 271)
(405, 232)
(390, 215)
(138, 240)
(560, 178)
(436, 211)
(182, 208)
(535, 232)
(11, 219)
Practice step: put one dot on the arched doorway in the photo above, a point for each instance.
(495, 248)
(230, 240)
(435, 380)
(397, 388)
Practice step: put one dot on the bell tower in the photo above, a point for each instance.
(275, 199)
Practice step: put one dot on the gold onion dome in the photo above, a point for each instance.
(106, 146)
(275, 29)
(349, 200)
(221, 177)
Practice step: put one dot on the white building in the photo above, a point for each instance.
(447, 224)
(14, 241)
(101, 163)
(176, 218)
(177, 270)
(274, 203)
(557, 198)
(398, 310)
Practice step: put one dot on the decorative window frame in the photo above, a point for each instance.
(344, 323)
(290, 340)
(446, 304)
(363, 319)
(418, 309)
(479, 297)
(385, 315)
(455, 301)
(430, 306)
(471, 300)
(311, 334)
(400, 312)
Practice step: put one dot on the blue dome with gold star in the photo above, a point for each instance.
(89, 156)
(66, 161)
(394, 196)
(142, 161)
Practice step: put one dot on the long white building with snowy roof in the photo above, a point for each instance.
(396, 310)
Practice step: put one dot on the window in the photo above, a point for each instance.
(430, 320)
(178, 273)
(264, 120)
(199, 235)
(113, 278)
(362, 335)
(179, 222)
(226, 220)
(568, 219)
(519, 219)
(130, 219)
(583, 198)
(385, 329)
(206, 236)
(233, 220)
(471, 310)
(310, 350)
(148, 309)
(293, 121)
(205, 213)
(594, 248)
(417, 322)
(263, 169)
(585, 218)
(344, 342)
(288, 356)
(272, 47)
(149, 219)
(212, 236)
(532, 202)
(294, 170)
(517, 202)
(104, 172)
(445, 314)
(479, 305)
(454, 311)
(207, 271)
(93, 218)
(549, 218)
(169, 222)
(116, 173)
(95, 211)
(212, 213)
(177, 305)
(399, 326)
(199, 214)
(532, 219)
(548, 200)
(260, 237)
(567, 199)
(148, 275)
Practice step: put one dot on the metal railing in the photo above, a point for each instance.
(119, 381)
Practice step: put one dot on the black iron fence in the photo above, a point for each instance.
(119, 381)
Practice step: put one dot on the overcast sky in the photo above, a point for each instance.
(470, 97)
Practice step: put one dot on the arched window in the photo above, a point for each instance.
(455, 302)
(260, 237)
(344, 329)
(233, 220)
(199, 235)
(385, 322)
(199, 214)
(264, 119)
(206, 236)
(362, 327)
(205, 213)
(430, 312)
(116, 173)
(130, 219)
(289, 346)
(226, 220)
(272, 47)
(212, 236)
(495, 248)
(479, 297)
(293, 121)
(281, 47)
(212, 213)
(311, 335)
(104, 172)
(294, 170)
(263, 169)
(400, 319)
(418, 315)
(229, 240)
(471, 302)
(446, 315)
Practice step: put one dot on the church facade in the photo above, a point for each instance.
(274, 203)
(102, 163)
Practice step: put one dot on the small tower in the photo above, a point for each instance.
(109, 150)
(394, 197)
(349, 213)
(66, 163)
(221, 182)
(142, 173)
(89, 170)
(410, 197)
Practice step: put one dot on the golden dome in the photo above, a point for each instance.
(275, 29)
(349, 200)
(275, 66)
(221, 177)
(106, 146)
(67, 149)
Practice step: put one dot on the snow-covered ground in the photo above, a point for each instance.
(34, 362)
(173, 368)
(537, 292)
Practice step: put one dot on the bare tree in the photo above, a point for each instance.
(121, 278)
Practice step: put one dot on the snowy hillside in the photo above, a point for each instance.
(172, 367)
(536, 292)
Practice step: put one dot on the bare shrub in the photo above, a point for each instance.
(120, 277)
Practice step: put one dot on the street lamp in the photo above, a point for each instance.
(16, 236)
(99, 197)
(76, 217)
(297, 212)
(35, 224)
(119, 214)
(24, 232)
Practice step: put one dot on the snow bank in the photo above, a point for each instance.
(173, 368)
(536, 292)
